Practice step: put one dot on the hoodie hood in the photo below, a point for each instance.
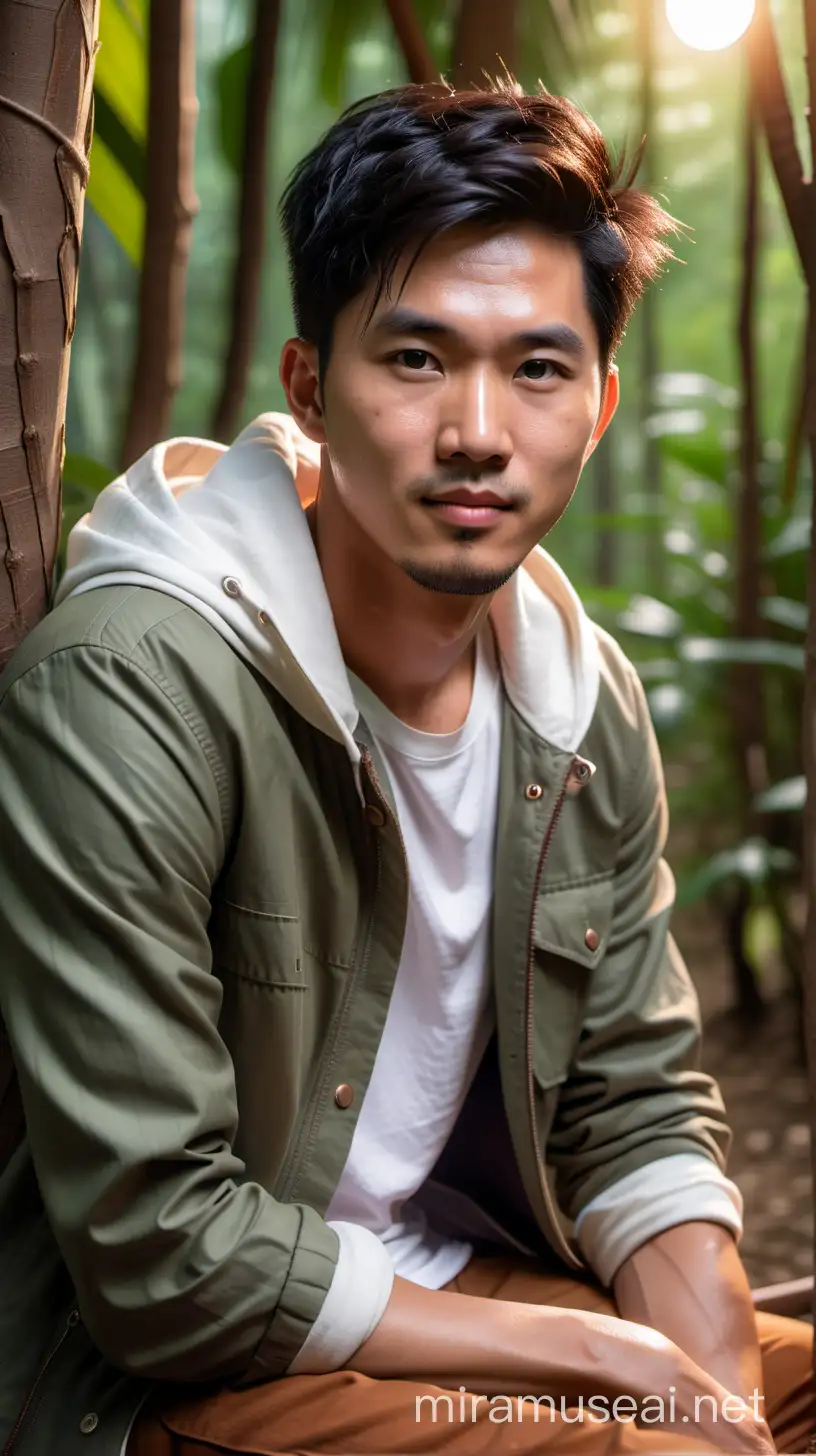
(224, 530)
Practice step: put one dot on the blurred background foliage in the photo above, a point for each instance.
(651, 539)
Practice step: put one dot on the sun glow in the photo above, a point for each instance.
(709, 25)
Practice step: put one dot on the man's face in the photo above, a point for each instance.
(481, 376)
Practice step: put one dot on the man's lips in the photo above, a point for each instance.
(469, 498)
(463, 508)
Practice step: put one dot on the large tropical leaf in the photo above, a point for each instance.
(116, 184)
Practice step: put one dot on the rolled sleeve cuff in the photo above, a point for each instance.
(354, 1305)
(682, 1188)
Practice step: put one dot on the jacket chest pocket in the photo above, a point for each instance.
(266, 1023)
(263, 946)
(571, 930)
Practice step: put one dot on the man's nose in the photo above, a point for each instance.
(474, 426)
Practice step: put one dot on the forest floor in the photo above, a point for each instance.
(763, 1080)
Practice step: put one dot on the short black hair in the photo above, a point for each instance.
(399, 168)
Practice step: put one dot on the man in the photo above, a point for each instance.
(358, 1065)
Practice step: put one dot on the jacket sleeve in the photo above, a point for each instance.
(112, 831)
(635, 1092)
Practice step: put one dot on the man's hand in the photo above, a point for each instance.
(494, 1347)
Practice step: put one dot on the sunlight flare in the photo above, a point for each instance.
(709, 25)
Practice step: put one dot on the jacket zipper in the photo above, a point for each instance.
(575, 779)
(341, 1015)
(73, 1319)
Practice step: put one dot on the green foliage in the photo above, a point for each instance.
(755, 861)
(785, 798)
(232, 78)
(116, 184)
(82, 480)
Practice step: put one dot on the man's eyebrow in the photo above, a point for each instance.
(403, 320)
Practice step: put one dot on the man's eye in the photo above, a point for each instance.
(414, 358)
(540, 369)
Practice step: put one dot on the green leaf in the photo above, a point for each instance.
(706, 650)
(703, 453)
(647, 617)
(785, 612)
(794, 537)
(786, 797)
(120, 72)
(116, 200)
(761, 936)
(116, 184)
(232, 84)
(81, 471)
(754, 861)
(129, 153)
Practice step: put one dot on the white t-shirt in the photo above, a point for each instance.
(441, 1013)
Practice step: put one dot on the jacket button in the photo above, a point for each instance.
(375, 815)
(344, 1095)
(592, 939)
(89, 1423)
(533, 791)
(231, 586)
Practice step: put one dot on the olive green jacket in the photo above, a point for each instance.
(203, 893)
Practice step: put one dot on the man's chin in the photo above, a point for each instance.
(470, 581)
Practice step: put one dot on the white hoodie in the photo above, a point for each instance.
(225, 532)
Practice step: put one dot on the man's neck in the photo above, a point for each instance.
(413, 649)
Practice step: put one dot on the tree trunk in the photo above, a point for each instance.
(749, 708)
(171, 206)
(248, 276)
(418, 59)
(799, 197)
(648, 321)
(47, 54)
(484, 40)
(809, 736)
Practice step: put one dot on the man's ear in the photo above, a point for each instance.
(609, 403)
(299, 375)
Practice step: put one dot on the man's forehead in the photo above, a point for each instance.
(514, 280)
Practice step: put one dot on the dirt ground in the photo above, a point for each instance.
(763, 1081)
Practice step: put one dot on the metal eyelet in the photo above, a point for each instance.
(232, 586)
(533, 791)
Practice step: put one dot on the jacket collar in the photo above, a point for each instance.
(224, 530)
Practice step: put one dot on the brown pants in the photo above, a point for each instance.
(348, 1414)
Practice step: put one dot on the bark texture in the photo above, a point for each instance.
(170, 207)
(648, 311)
(47, 52)
(799, 196)
(748, 696)
(248, 277)
(484, 40)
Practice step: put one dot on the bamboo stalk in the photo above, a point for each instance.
(170, 207)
